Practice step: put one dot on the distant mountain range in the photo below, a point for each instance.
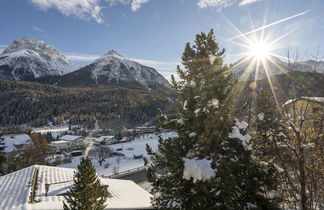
(114, 90)
(246, 70)
(38, 84)
(33, 60)
(110, 69)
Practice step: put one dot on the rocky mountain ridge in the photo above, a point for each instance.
(26, 59)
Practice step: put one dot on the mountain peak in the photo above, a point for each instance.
(27, 58)
(113, 68)
(113, 53)
(24, 43)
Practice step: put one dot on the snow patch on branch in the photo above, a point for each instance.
(212, 59)
(251, 205)
(197, 169)
(279, 169)
(180, 121)
(241, 125)
(185, 104)
(245, 139)
(192, 134)
(281, 134)
(261, 116)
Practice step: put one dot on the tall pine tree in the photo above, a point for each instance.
(86, 193)
(210, 164)
(267, 124)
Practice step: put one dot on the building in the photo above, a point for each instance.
(127, 132)
(309, 109)
(13, 142)
(150, 129)
(68, 143)
(105, 140)
(43, 187)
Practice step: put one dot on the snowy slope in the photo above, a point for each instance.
(112, 68)
(26, 59)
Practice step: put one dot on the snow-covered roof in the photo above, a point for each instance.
(313, 99)
(59, 142)
(102, 138)
(16, 139)
(144, 127)
(69, 138)
(15, 189)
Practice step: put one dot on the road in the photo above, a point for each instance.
(88, 140)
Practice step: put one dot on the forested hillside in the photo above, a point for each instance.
(285, 86)
(36, 104)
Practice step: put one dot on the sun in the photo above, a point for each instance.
(260, 50)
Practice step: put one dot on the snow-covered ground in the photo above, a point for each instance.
(11, 142)
(129, 149)
(54, 130)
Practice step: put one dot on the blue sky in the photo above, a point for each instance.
(155, 31)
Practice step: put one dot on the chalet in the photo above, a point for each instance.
(13, 142)
(105, 140)
(150, 129)
(309, 109)
(127, 132)
(43, 187)
(68, 143)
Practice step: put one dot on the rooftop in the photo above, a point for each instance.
(15, 189)
(70, 137)
(319, 100)
(59, 142)
(102, 138)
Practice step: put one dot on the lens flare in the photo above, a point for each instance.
(260, 50)
(253, 85)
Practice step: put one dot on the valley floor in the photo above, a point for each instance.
(129, 149)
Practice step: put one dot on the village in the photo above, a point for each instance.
(113, 154)
(110, 154)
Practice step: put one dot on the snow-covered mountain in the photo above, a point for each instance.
(248, 70)
(114, 68)
(111, 69)
(27, 59)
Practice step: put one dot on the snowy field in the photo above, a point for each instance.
(129, 149)
(54, 130)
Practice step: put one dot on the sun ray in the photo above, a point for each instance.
(258, 56)
(265, 66)
(268, 25)
(286, 34)
(276, 55)
(235, 28)
(236, 43)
